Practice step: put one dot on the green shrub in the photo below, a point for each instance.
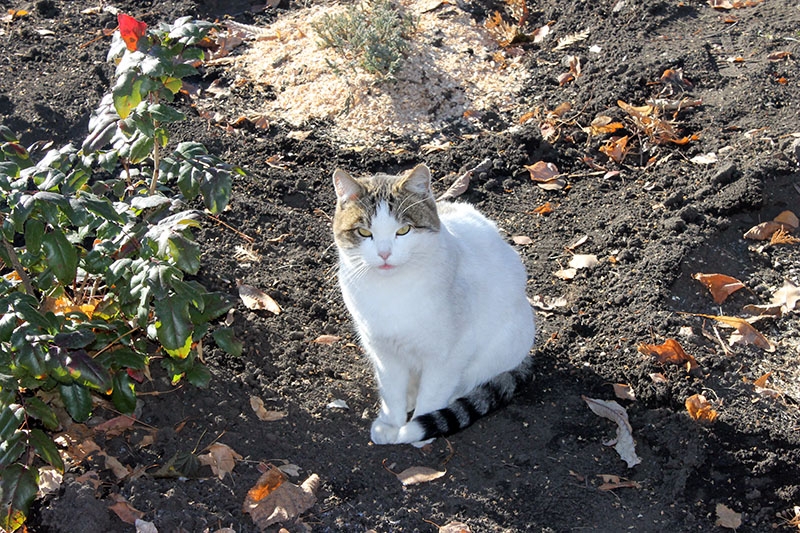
(97, 244)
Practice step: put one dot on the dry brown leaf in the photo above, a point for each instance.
(623, 443)
(700, 408)
(255, 298)
(566, 273)
(326, 339)
(547, 303)
(580, 261)
(221, 458)
(571, 39)
(612, 482)
(125, 511)
(418, 474)
(116, 426)
(658, 377)
(720, 285)
(778, 56)
(727, 517)
(522, 240)
(616, 148)
(284, 502)
(787, 297)
(458, 187)
(257, 404)
(763, 309)
(546, 175)
(544, 209)
(455, 527)
(670, 352)
(603, 124)
(624, 392)
(270, 480)
(762, 381)
(745, 332)
(763, 231)
(782, 237)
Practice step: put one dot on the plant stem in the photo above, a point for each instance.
(156, 160)
(12, 254)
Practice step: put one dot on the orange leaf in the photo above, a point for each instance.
(544, 209)
(616, 148)
(131, 30)
(720, 285)
(700, 409)
(268, 482)
(669, 352)
(762, 381)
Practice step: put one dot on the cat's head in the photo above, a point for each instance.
(382, 222)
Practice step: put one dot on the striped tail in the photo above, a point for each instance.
(464, 411)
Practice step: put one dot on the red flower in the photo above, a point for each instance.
(131, 30)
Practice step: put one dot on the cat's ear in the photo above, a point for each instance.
(418, 180)
(347, 188)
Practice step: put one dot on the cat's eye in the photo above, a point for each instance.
(364, 232)
(405, 229)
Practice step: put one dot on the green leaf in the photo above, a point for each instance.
(185, 252)
(34, 233)
(77, 400)
(46, 448)
(216, 189)
(172, 84)
(215, 304)
(126, 93)
(61, 256)
(87, 372)
(41, 411)
(75, 339)
(124, 394)
(11, 418)
(122, 358)
(164, 113)
(18, 488)
(141, 149)
(101, 207)
(225, 339)
(12, 449)
(173, 323)
(198, 375)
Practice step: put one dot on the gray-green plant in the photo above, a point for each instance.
(98, 249)
(373, 35)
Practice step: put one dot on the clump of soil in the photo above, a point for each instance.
(653, 221)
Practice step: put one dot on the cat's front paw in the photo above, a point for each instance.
(383, 433)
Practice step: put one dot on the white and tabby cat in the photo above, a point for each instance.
(438, 299)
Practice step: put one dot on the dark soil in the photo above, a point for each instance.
(535, 464)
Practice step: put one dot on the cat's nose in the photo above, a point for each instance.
(384, 255)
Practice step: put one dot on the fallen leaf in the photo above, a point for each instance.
(116, 426)
(455, 527)
(616, 148)
(337, 404)
(603, 124)
(623, 443)
(49, 480)
(221, 458)
(119, 470)
(326, 339)
(546, 303)
(763, 309)
(720, 285)
(285, 502)
(522, 240)
(257, 404)
(544, 209)
(705, 159)
(546, 176)
(762, 381)
(612, 482)
(566, 273)
(623, 392)
(700, 408)
(125, 511)
(658, 377)
(582, 239)
(777, 56)
(290, 469)
(786, 221)
(787, 297)
(745, 332)
(580, 261)
(418, 474)
(787, 218)
(254, 298)
(458, 187)
(782, 237)
(727, 517)
(143, 526)
(671, 352)
(270, 480)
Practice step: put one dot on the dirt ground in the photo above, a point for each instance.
(535, 465)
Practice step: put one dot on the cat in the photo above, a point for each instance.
(438, 300)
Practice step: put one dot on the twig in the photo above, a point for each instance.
(228, 226)
(12, 255)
